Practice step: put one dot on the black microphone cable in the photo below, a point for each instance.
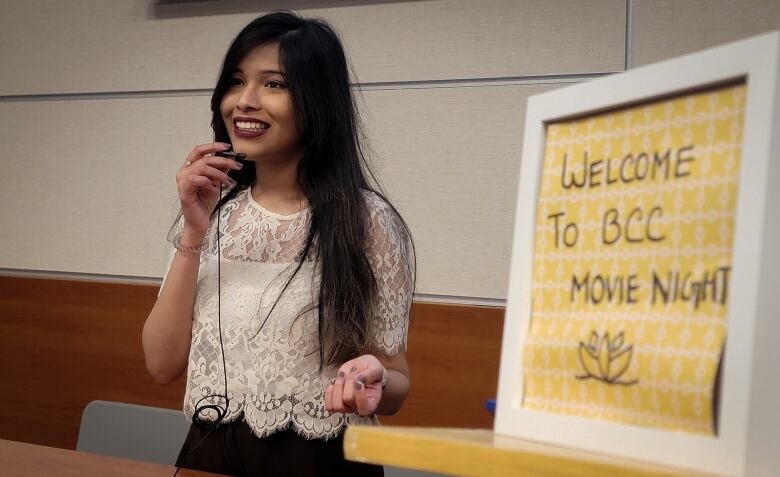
(220, 411)
(217, 408)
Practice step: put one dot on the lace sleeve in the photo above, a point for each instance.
(391, 255)
(171, 251)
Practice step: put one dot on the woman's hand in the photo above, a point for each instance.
(198, 184)
(357, 388)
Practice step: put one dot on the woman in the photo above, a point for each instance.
(297, 327)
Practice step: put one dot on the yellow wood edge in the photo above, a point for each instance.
(472, 452)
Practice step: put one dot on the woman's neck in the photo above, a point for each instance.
(276, 187)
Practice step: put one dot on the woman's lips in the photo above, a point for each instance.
(248, 134)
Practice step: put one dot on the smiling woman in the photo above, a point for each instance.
(258, 105)
(291, 290)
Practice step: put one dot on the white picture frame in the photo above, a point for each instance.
(749, 411)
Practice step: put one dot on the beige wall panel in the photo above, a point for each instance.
(89, 186)
(450, 159)
(478, 39)
(668, 28)
(50, 46)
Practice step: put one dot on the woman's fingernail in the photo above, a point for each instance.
(226, 145)
(238, 165)
(341, 374)
(333, 381)
(353, 369)
(358, 385)
(361, 378)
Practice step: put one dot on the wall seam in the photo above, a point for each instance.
(155, 281)
(375, 86)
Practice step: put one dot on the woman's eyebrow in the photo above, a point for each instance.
(263, 72)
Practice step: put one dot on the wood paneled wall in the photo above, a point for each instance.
(65, 343)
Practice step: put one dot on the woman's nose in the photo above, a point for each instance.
(249, 99)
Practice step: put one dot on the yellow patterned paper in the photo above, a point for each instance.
(632, 262)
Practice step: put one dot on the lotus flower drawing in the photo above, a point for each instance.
(606, 359)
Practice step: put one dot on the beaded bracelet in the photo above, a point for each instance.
(187, 250)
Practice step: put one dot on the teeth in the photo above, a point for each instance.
(251, 126)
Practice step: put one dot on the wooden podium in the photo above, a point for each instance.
(479, 452)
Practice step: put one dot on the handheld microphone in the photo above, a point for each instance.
(238, 156)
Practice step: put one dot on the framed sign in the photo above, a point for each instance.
(642, 307)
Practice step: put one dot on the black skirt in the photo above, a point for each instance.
(232, 449)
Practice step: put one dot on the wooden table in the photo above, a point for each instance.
(20, 459)
(478, 452)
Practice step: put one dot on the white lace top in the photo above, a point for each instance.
(272, 352)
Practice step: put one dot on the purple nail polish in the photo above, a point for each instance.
(361, 378)
(341, 374)
(353, 369)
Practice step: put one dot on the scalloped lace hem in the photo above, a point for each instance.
(265, 431)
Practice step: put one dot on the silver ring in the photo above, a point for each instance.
(187, 162)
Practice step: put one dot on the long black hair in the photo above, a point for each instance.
(333, 172)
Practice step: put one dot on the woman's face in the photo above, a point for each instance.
(258, 111)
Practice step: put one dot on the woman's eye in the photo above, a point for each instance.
(275, 84)
(234, 81)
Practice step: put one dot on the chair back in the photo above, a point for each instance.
(131, 431)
